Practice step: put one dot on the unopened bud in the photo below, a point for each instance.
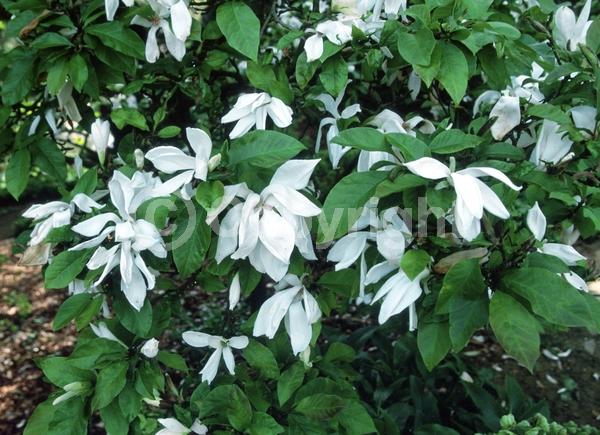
(214, 162)
(139, 158)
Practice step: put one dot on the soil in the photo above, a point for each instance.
(571, 385)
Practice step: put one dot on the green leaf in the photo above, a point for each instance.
(18, 80)
(429, 73)
(109, 383)
(334, 75)
(454, 72)
(345, 202)
(40, 418)
(452, 141)
(168, 132)
(57, 76)
(50, 40)
(289, 382)
(50, 159)
(87, 183)
(210, 194)
(240, 27)
(89, 312)
(118, 37)
(550, 296)
(549, 111)
(364, 138)
(191, 239)
(416, 48)
(227, 401)
(264, 148)
(467, 315)
(320, 406)
(433, 342)
(78, 71)
(260, 357)
(264, 424)
(356, 420)
(413, 262)
(515, 328)
(136, 322)
(463, 279)
(304, 71)
(61, 371)
(65, 267)
(410, 147)
(402, 183)
(114, 420)
(70, 309)
(17, 172)
(173, 360)
(127, 116)
(340, 352)
(593, 36)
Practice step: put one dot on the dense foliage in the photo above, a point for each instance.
(331, 197)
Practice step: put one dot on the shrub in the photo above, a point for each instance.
(440, 155)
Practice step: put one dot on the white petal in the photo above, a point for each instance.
(85, 203)
(135, 288)
(491, 202)
(209, 372)
(234, 291)
(346, 251)
(243, 126)
(350, 111)
(229, 360)
(404, 293)
(576, 281)
(298, 327)
(270, 264)
(391, 243)
(111, 7)
(536, 221)
(150, 348)
(91, 243)
(566, 253)
(169, 159)
(487, 97)
(92, 226)
(175, 46)
(293, 201)
(280, 113)
(272, 311)
(468, 226)
(249, 227)
(239, 342)
(467, 189)
(507, 112)
(377, 272)
(228, 233)
(427, 167)
(200, 142)
(152, 51)
(181, 20)
(277, 235)
(295, 174)
(313, 47)
(201, 339)
(173, 425)
(490, 172)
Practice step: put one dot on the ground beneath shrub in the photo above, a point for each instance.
(569, 381)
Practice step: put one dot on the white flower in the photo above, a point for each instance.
(172, 426)
(181, 23)
(472, 195)
(536, 222)
(150, 348)
(169, 159)
(569, 31)
(132, 236)
(252, 109)
(56, 214)
(235, 290)
(67, 103)
(338, 32)
(335, 151)
(222, 348)
(102, 331)
(388, 231)
(584, 118)
(294, 303)
(576, 281)
(266, 227)
(101, 138)
(71, 390)
(507, 110)
(111, 7)
(390, 122)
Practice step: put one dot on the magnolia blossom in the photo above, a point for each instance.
(293, 302)
(56, 214)
(169, 159)
(172, 426)
(101, 138)
(252, 109)
(553, 145)
(72, 389)
(102, 331)
(536, 222)
(265, 228)
(150, 348)
(66, 102)
(337, 31)
(390, 122)
(131, 236)
(472, 195)
(335, 151)
(569, 31)
(362, 7)
(181, 23)
(388, 231)
(111, 7)
(222, 348)
(507, 109)
(235, 290)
